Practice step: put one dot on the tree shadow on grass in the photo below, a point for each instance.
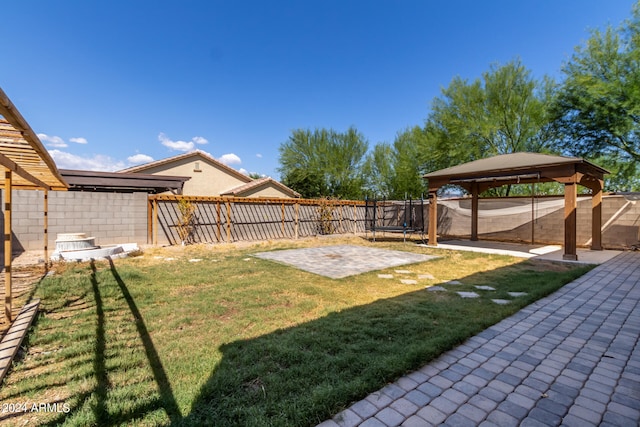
(97, 397)
(305, 374)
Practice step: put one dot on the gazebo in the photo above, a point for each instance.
(27, 166)
(525, 168)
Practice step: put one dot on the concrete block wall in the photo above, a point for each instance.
(109, 217)
(122, 218)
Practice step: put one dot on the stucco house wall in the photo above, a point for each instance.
(209, 177)
(264, 191)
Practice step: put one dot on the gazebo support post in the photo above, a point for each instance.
(433, 218)
(474, 211)
(596, 217)
(570, 221)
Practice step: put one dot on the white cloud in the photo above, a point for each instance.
(78, 140)
(98, 162)
(138, 159)
(258, 155)
(183, 146)
(229, 159)
(243, 171)
(52, 141)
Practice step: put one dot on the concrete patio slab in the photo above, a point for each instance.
(522, 250)
(341, 261)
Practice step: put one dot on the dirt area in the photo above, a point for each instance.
(24, 279)
(28, 258)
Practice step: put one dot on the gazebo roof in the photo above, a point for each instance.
(22, 152)
(522, 168)
(510, 164)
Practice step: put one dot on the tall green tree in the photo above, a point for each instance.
(378, 172)
(407, 166)
(598, 105)
(394, 171)
(324, 162)
(505, 111)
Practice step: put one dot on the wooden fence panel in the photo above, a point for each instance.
(222, 219)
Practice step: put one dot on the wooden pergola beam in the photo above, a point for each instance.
(7, 245)
(23, 155)
(14, 167)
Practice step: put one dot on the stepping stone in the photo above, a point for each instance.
(453, 282)
(517, 294)
(426, 276)
(403, 271)
(468, 294)
(408, 282)
(385, 276)
(436, 289)
(195, 260)
(485, 288)
(501, 301)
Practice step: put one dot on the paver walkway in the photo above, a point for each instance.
(571, 359)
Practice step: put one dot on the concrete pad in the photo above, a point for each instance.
(468, 294)
(485, 288)
(341, 261)
(522, 250)
(436, 289)
(385, 276)
(517, 294)
(403, 271)
(409, 282)
(453, 282)
(501, 301)
(426, 276)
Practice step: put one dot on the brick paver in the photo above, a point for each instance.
(572, 358)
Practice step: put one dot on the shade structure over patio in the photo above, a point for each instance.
(27, 166)
(525, 168)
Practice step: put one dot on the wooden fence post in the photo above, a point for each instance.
(355, 218)
(297, 220)
(228, 221)
(155, 222)
(218, 221)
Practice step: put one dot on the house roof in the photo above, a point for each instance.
(195, 154)
(122, 182)
(22, 152)
(511, 163)
(256, 183)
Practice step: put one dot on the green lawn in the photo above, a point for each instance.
(236, 340)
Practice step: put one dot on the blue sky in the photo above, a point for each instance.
(111, 84)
